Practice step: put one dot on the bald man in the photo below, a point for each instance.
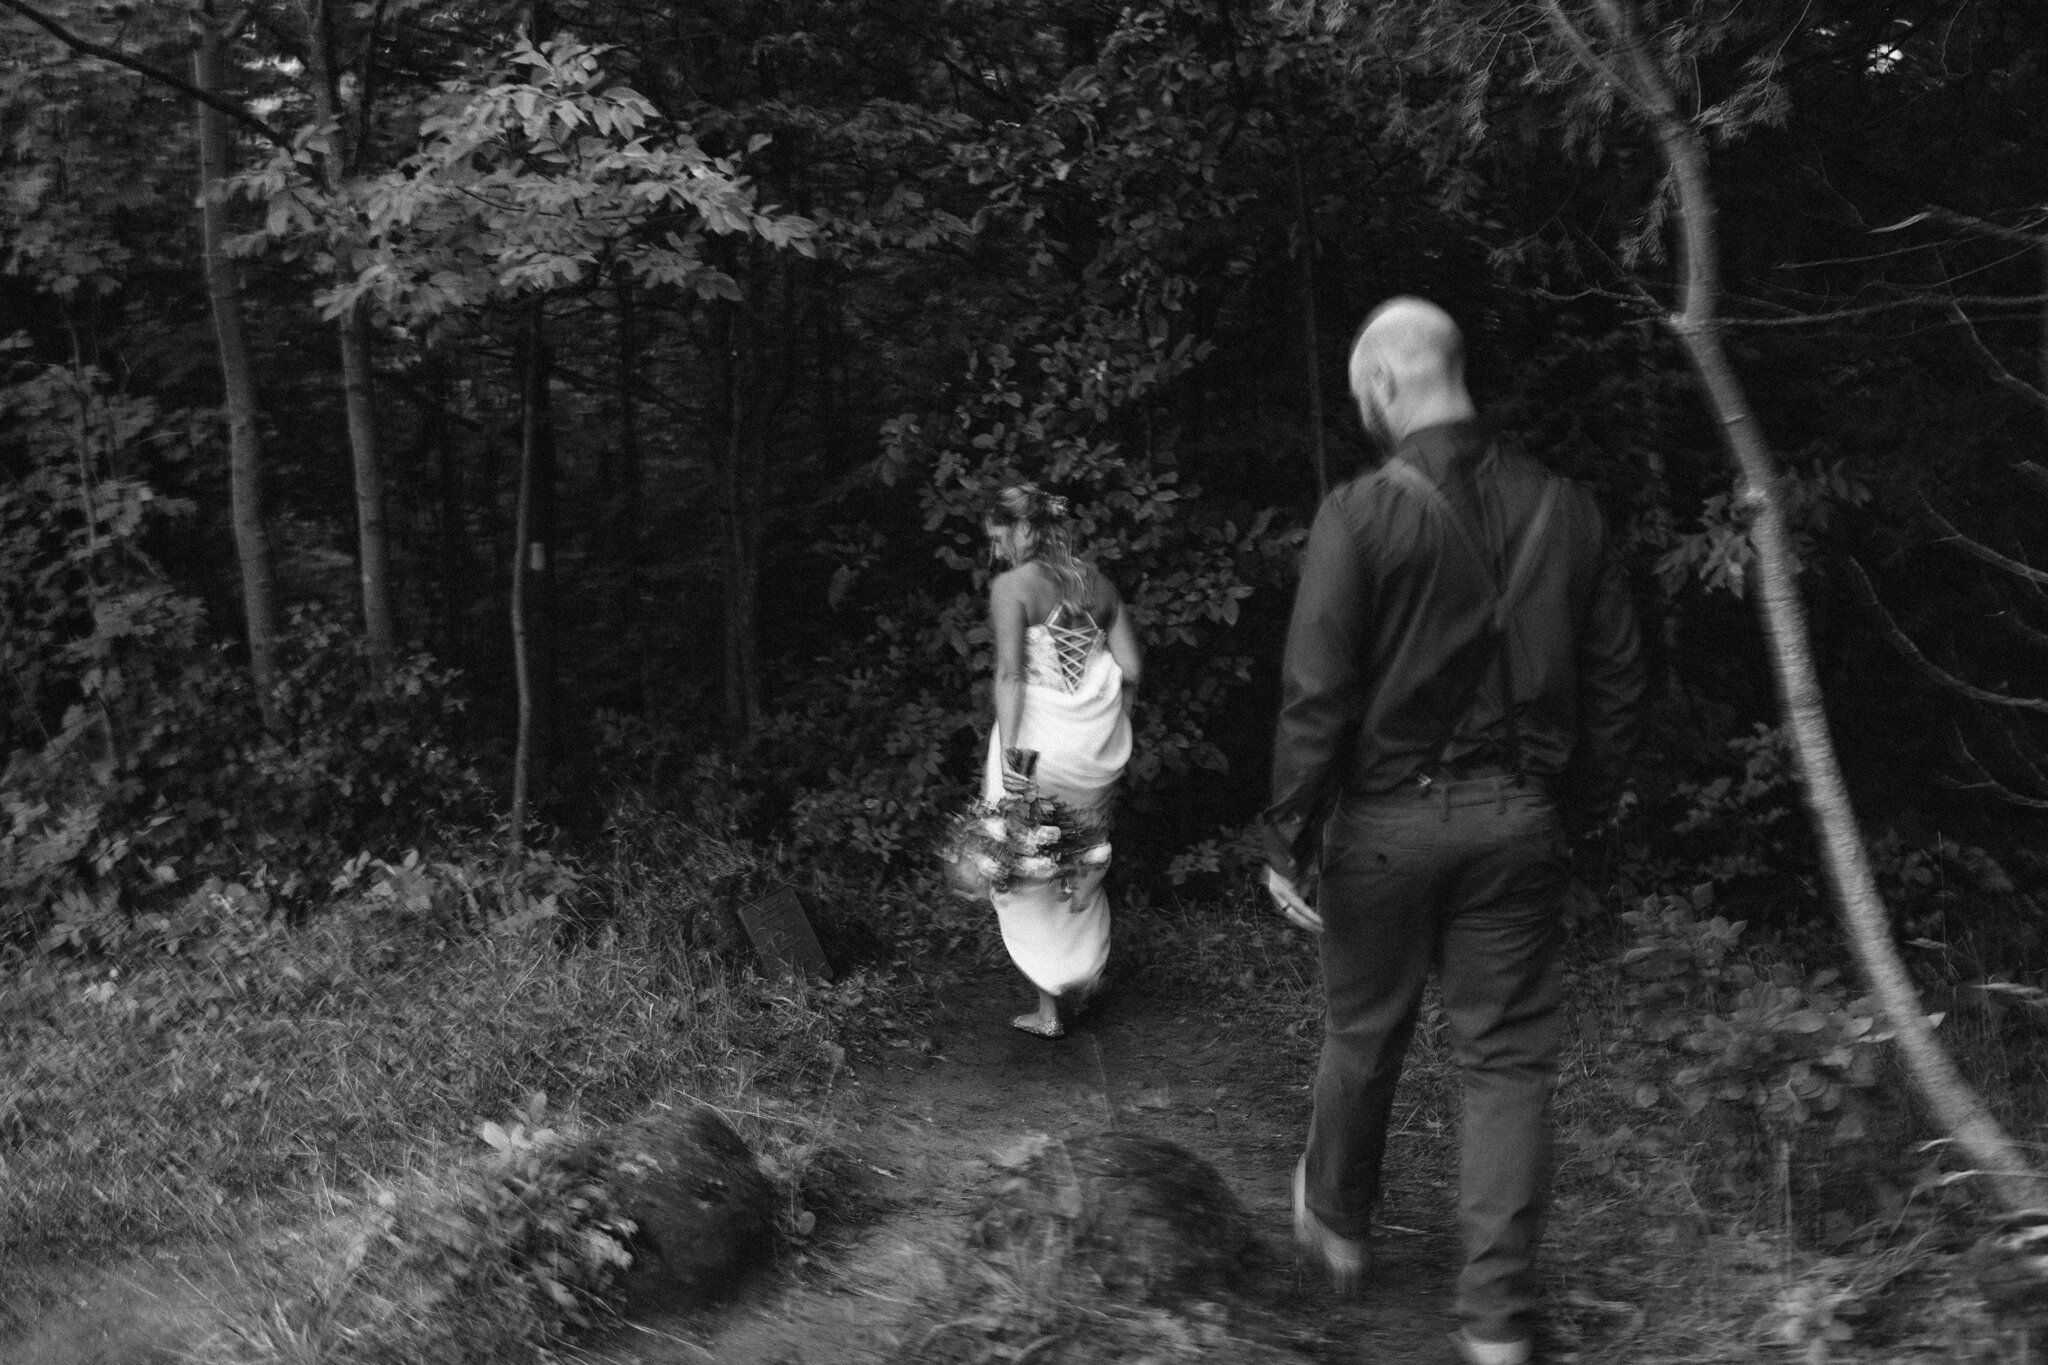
(1461, 686)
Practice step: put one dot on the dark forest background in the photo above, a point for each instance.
(630, 376)
(489, 490)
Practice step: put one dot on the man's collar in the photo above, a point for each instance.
(1445, 443)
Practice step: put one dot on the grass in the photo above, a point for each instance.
(1042, 1308)
(302, 1092)
(223, 1079)
(1674, 1237)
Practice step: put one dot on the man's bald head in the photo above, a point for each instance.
(1408, 369)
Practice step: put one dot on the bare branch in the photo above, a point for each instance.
(2004, 378)
(2010, 622)
(1977, 549)
(2032, 235)
(1981, 780)
(2022, 751)
(1926, 667)
(153, 72)
(1794, 318)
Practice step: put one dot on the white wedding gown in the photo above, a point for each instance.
(1073, 716)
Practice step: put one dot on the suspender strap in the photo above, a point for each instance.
(1525, 555)
(1505, 592)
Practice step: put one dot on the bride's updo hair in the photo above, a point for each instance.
(1048, 538)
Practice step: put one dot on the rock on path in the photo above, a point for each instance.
(930, 1133)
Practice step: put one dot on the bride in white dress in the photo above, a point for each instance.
(1067, 665)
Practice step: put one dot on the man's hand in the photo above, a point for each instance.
(1288, 897)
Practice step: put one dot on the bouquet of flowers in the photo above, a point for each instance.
(1024, 837)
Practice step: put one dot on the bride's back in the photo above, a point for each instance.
(1045, 593)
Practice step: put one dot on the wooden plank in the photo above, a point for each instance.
(783, 937)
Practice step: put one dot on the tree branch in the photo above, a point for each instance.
(2033, 236)
(1561, 23)
(2022, 751)
(1977, 549)
(1926, 667)
(2010, 622)
(1980, 778)
(2004, 378)
(155, 73)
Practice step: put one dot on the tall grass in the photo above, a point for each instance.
(1675, 1236)
(252, 1073)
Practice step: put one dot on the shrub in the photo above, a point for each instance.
(489, 1260)
(197, 788)
(1764, 1037)
(135, 764)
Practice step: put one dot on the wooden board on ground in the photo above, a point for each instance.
(783, 937)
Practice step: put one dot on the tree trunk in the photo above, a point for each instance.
(373, 552)
(739, 498)
(451, 520)
(373, 555)
(533, 418)
(1955, 1106)
(224, 296)
(626, 493)
(1311, 330)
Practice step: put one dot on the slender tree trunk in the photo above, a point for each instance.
(373, 554)
(533, 419)
(450, 518)
(224, 296)
(831, 347)
(1955, 1106)
(626, 493)
(739, 497)
(542, 571)
(1311, 329)
(373, 548)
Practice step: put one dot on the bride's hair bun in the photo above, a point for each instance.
(1027, 503)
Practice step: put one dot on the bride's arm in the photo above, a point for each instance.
(1124, 648)
(1006, 610)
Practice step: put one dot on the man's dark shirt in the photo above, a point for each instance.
(1394, 669)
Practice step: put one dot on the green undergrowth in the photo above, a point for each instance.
(380, 1105)
(1045, 1306)
(504, 1254)
(1742, 1170)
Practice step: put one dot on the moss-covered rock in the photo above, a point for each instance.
(1146, 1216)
(702, 1210)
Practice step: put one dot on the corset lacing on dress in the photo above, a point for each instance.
(1072, 645)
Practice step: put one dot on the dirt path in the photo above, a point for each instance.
(924, 1129)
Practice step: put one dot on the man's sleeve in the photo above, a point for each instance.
(1611, 684)
(1322, 697)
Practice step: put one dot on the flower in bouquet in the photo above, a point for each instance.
(1029, 837)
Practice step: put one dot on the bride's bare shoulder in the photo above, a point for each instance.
(1025, 582)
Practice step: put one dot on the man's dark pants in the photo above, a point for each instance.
(1467, 877)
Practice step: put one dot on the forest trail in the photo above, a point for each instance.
(925, 1127)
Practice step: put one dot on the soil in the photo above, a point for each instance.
(922, 1127)
(926, 1131)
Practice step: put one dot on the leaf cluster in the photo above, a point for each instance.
(1762, 1037)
